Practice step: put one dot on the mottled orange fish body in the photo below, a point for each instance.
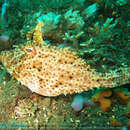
(52, 71)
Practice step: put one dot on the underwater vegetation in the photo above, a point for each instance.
(62, 47)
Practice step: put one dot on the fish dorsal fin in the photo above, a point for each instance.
(37, 34)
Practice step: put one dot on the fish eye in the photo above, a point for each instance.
(30, 50)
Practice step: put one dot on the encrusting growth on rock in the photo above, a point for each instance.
(102, 98)
(51, 71)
